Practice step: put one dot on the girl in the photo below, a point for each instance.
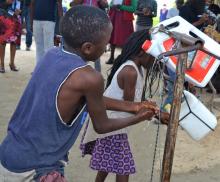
(111, 152)
(10, 31)
(121, 16)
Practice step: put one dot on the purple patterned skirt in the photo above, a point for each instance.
(112, 154)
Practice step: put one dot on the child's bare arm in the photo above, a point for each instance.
(127, 79)
(150, 105)
(129, 90)
(126, 106)
(129, 106)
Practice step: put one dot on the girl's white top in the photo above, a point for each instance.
(114, 91)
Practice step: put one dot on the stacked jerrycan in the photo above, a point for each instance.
(195, 118)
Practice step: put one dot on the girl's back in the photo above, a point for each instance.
(114, 90)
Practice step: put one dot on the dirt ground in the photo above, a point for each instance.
(193, 161)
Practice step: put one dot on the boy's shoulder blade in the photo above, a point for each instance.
(87, 77)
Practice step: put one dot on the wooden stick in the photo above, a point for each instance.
(174, 119)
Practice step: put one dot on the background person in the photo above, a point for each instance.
(163, 13)
(146, 10)
(121, 16)
(193, 11)
(43, 23)
(213, 7)
(175, 10)
(10, 31)
(25, 15)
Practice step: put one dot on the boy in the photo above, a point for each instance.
(54, 105)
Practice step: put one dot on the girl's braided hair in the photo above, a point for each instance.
(131, 49)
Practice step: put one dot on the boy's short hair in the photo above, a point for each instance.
(180, 2)
(83, 24)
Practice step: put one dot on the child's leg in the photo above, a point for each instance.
(122, 178)
(2, 56)
(12, 54)
(12, 57)
(101, 176)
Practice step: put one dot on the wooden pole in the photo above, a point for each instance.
(174, 119)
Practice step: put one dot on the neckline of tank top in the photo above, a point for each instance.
(67, 52)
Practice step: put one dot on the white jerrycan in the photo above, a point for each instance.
(195, 118)
(204, 65)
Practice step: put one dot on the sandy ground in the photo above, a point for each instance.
(193, 161)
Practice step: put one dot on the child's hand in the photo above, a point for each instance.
(146, 11)
(204, 18)
(149, 105)
(163, 116)
(17, 12)
(145, 114)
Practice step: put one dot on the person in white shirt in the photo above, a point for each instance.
(175, 10)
